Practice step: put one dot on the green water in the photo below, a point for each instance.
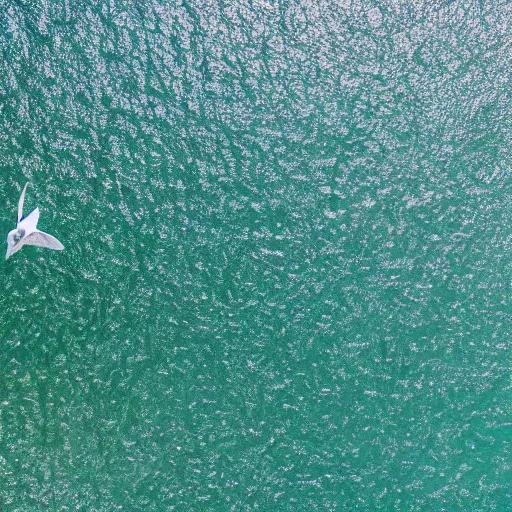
(286, 282)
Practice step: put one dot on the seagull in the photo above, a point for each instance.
(26, 232)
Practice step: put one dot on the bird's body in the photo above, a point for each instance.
(26, 232)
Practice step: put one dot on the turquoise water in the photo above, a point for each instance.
(286, 282)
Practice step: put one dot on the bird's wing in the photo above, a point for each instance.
(29, 223)
(41, 239)
(21, 201)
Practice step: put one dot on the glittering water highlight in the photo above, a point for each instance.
(286, 276)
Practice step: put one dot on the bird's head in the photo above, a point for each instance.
(13, 241)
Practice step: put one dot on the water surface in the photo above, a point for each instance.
(286, 283)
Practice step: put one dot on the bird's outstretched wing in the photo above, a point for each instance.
(41, 239)
(29, 223)
(21, 201)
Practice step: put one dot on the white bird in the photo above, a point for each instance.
(26, 232)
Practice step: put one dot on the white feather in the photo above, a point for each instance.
(41, 239)
(26, 232)
(21, 201)
(29, 223)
